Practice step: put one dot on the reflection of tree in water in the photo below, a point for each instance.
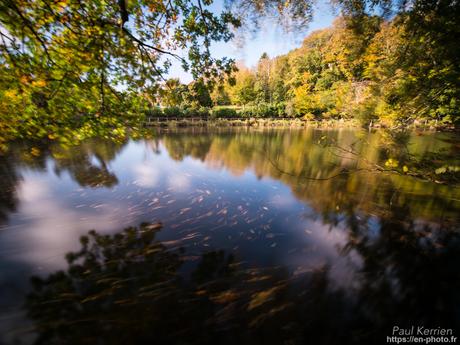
(410, 269)
(126, 288)
(297, 158)
(77, 160)
(183, 144)
(8, 181)
(129, 288)
(17, 156)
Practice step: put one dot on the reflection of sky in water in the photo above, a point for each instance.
(202, 205)
(260, 219)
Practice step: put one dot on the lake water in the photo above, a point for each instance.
(228, 237)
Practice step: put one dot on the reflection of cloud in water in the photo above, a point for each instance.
(52, 228)
(179, 182)
(33, 191)
(282, 200)
(146, 174)
(323, 249)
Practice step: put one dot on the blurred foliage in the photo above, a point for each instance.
(224, 113)
(76, 69)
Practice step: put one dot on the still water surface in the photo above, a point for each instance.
(227, 237)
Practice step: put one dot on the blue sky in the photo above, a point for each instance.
(270, 39)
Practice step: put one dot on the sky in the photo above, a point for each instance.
(270, 39)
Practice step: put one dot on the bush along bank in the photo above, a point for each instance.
(266, 115)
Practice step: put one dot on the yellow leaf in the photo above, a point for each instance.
(39, 83)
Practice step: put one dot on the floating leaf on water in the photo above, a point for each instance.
(170, 243)
(68, 295)
(225, 297)
(186, 209)
(264, 316)
(157, 207)
(190, 258)
(262, 297)
(105, 280)
(154, 201)
(154, 226)
(124, 301)
(258, 279)
(97, 296)
(193, 235)
(222, 211)
(218, 226)
(153, 250)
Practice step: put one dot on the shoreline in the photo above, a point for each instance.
(286, 123)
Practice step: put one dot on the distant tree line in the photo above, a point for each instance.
(393, 71)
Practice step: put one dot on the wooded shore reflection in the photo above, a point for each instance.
(297, 158)
(129, 288)
(294, 157)
(266, 237)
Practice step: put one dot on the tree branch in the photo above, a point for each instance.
(29, 25)
(145, 45)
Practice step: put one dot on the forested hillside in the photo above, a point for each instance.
(393, 71)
